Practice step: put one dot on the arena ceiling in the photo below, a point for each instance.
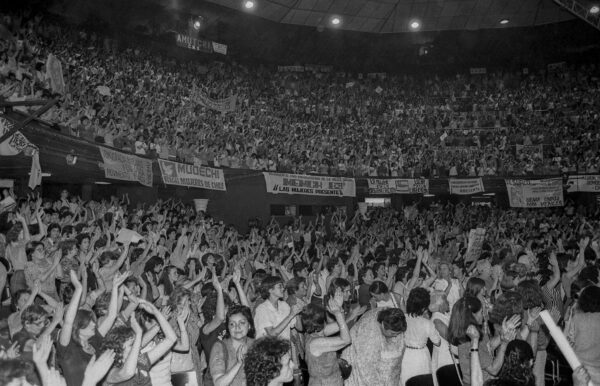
(395, 16)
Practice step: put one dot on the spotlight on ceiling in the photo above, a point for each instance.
(335, 21)
(197, 24)
(594, 10)
(415, 25)
(249, 4)
(504, 21)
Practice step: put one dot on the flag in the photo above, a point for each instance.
(35, 176)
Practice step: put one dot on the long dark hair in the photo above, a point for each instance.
(517, 367)
(462, 317)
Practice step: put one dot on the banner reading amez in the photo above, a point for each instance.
(398, 185)
(535, 193)
(126, 167)
(175, 173)
(309, 185)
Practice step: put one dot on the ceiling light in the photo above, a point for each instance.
(101, 183)
(197, 25)
(415, 24)
(594, 9)
(335, 20)
(504, 21)
(249, 4)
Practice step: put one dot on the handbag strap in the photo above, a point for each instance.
(458, 373)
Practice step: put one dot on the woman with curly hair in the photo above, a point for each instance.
(131, 368)
(533, 302)
(583, 331)
(268, 362)
(517, 369)
(321, 346)
(227, 355)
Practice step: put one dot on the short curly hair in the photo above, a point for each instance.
(115, 340)
(418, 302)
(263, 360)
(517, 367)
(508, 304)
(531, 293)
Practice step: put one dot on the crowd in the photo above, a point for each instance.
(119, 294)
(358, 125)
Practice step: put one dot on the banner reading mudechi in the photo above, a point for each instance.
(175, 173)
(464, 186)
(398, 186)
(126, 167)
(535, 193)
(309, 185)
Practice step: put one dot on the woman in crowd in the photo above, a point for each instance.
(444, 357)
(320, 346)
(583, 333)
(268, 363)
(381, 296)
(517, 367)
(377, 348)
(43, 269)
(416, 363)
(468, 312)
(131, 368)
(227, 356)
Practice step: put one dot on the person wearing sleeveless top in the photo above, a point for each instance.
(416, 364)
(321, 347)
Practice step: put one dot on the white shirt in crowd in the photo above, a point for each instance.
(268, 316)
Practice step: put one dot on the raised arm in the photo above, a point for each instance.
(113, 307)
(320, 346)
(67, 328)
(170, 336)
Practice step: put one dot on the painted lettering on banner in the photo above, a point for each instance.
(126, 167)
(284, 183)
(535, 193)
(176, 173)
(465, 186)
(398, 186)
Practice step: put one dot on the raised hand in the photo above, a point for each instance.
(135, 326)
(473, 333)
(241, 353)
(120, 278)
(41, 350)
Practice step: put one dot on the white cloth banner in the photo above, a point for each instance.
(224, 105)
(310, 185)
(126, 167)
(175, 173)
(398, 186)
(464, 186)
(535, 193)
(587, 183)
(219, 48)
(16, 143)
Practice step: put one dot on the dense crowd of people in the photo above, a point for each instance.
(114, 293)
(383, 125)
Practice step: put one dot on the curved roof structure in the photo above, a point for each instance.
(395, 16)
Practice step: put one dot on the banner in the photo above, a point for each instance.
(200, 45)
(54, 72)
(224, 105)
(310, 185)
(478, 70)
(475, 244)
(535, 193)
(465, 186)
(219, 48)
(200, 204)
(587, 183)
(530, 150)
(16, 143)
(126, 167)
(175, 173)
(398, 186)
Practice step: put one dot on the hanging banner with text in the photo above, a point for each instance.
(464, 186)
(398, 186)
(587, 183)
(175, 173)
(126, 167)
(310, 185)
(200, 45)
(224, 105)
(535, 193)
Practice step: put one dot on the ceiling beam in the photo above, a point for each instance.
(580, 11)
